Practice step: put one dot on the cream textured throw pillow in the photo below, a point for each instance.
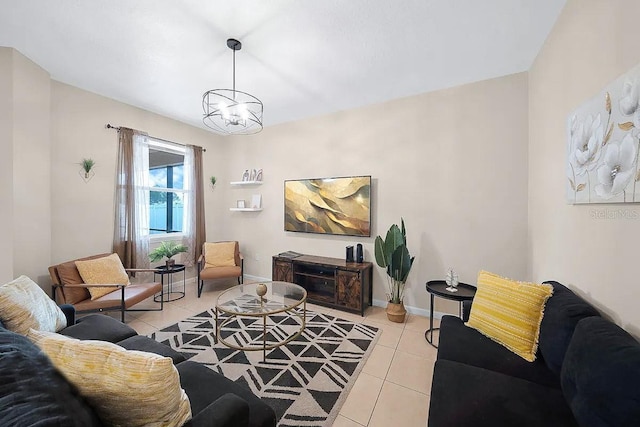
(124, 387)
(509, 312)
(220, 254)
(107, 270)
(24, 305)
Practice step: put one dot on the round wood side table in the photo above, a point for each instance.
(438, 288)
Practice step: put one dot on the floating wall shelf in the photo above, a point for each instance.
(245, 209)
(246, 183)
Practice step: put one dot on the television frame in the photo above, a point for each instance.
(344, 208)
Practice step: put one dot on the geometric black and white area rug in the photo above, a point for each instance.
(305, 381)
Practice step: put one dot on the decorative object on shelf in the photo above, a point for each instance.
(212, 180)
(230, 111)
(259, 175)
(359, 253)
(245, 175)
(167, 250)
(451, 279)
(256, 201)
(240, 204)
(393, 255)
(86, 172)
(252, 177)
(602, 164)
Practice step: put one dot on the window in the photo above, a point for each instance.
(166, 182)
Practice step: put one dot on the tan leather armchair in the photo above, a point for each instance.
(206, 272)
(69, 288)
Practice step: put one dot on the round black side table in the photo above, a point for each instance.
(169, 272)
(438, 288)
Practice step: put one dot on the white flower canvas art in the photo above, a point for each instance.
(603, 143)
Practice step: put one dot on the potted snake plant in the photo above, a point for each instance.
(393, 255)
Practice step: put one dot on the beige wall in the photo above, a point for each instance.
(24, 167)
(31, 169)
(453, 163)
(6, 163)
(82, 213)
(592, 43)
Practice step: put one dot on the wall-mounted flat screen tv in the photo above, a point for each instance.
(328, 205)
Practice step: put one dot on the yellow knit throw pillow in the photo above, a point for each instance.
(509, 312)
(102, 271)
(220, 254)
(24, 305)
(124, 387)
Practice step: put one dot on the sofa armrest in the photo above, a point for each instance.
(228, 410)
(69, 312)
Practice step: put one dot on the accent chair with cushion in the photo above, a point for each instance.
(83, 283)
(220, 260)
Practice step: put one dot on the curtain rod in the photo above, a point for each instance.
(109, 126)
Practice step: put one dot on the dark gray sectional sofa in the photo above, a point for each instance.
(587, 373)
(32, 392)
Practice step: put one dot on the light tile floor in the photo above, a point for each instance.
(394, 385)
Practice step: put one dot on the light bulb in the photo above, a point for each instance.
(224, 110)
(243, 111)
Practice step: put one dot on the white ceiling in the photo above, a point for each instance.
(302, 58)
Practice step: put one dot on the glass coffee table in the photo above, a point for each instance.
(261, 300)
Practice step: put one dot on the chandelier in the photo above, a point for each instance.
(230, 111)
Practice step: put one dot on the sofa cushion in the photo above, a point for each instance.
(69, 275)
(601, 374)
(228, 410)
(561, 315)
(24, 305)
(107, 270)
(463, 395)
(205, 386)
(463, 344)
(220, 254)
(142, 343)
(509, 312)
(124, 387)
(99, 327)
(33, 392)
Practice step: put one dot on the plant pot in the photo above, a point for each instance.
(396, 312)
(170, 263)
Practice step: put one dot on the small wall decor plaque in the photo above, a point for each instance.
(240, 204)
(86, 171)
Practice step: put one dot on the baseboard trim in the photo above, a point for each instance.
(255, 278)
(410, 309)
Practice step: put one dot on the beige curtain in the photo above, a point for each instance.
(194, 228)
(131, 230)
(200, 231)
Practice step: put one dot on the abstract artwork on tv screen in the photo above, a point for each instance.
(328, 205)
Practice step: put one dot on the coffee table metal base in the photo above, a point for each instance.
(302, 318)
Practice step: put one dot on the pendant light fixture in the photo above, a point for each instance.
(230, 111)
